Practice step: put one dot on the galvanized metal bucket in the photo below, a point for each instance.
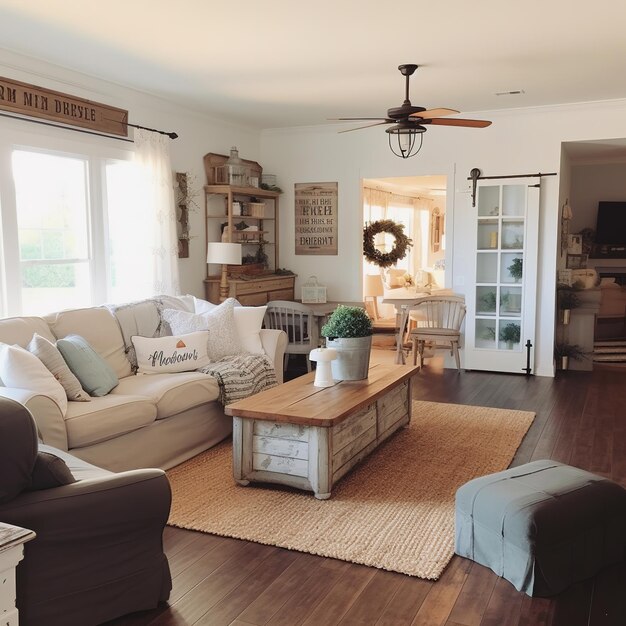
(353, 357)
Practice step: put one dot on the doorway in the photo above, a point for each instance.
(418, 203)
(593, 173)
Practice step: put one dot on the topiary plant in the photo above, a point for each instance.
(347, 321)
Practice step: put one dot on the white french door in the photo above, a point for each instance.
(501, 300)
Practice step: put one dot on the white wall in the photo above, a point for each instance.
(521, 141)
(197, 135)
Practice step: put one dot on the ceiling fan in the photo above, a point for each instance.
(410, 121)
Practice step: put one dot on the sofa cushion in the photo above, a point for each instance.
(20, 330)
(106, 417)
(202, 306)
(172, 393)
(80, 470)
(177, 353)
(23, 370)
(50, 356)
(94, 373)
(220, 322)
(248, 322)
(100, 328)
(50, 471)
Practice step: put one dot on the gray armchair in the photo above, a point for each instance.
(98, 553)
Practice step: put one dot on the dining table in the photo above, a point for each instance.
(322, 310)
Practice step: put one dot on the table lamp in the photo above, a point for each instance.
(372, 288)
(225, 254)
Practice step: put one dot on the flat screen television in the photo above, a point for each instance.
(611, 224)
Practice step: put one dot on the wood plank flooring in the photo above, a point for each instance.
(580, 420)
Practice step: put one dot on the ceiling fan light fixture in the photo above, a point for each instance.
(407, 121)
(403, 139)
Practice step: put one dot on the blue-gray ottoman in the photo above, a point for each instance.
(542, 526)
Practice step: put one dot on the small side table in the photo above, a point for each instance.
(12, 540)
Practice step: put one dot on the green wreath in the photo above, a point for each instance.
(400, 247)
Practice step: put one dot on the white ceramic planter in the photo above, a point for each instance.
(353, 357)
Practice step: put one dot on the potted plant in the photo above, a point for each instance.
(563, 352)
(567, 299)
(349, 331)
(510, 334)
(516, 269)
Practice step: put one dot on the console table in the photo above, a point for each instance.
(253, 291)
(12, 540)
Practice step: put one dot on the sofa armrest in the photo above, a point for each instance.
(275, 343)
(98, 551)
(45, 411)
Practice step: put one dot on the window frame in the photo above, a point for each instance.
(97, 153)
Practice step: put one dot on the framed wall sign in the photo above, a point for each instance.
(316, 218)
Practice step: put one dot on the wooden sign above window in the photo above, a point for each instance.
(33, 101)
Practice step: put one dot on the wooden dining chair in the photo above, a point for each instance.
(298, 321)
(438, 325)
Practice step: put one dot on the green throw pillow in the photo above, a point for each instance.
(96, 376)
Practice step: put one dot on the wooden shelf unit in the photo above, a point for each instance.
(267, 224)
(255, 288)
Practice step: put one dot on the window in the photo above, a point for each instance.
(64, 209)
(52, 230)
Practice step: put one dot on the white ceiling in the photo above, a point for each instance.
(277, 63)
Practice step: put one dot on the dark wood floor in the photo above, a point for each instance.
(580, 420)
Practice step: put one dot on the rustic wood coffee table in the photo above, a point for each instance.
(309, 437)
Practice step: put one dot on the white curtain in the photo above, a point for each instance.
(156, 240)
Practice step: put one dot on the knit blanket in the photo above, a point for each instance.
(241, 376)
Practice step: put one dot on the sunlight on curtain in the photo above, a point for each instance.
(156, 238)
(130, 263)
(374, 209)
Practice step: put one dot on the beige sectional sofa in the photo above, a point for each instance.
(156, 420)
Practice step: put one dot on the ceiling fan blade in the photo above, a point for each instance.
(459, 122)
(349, 130)
(357, 119)
(430, 113)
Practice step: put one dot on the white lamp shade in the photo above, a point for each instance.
(223, 253)
(373, 285)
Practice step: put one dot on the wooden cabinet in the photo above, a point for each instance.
(249, 216)
(257, 290)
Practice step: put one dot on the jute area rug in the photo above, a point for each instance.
(393, 511)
